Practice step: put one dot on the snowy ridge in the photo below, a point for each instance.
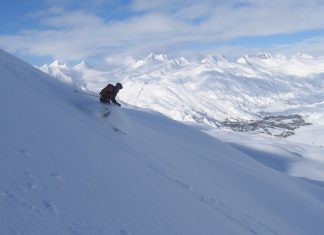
(66, 170)
(82, 66)
(63, 73)
(215, 88)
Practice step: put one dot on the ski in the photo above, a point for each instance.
(106, 114)
(118, 131)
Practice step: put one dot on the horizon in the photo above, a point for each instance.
(107, 60)
(41, 31)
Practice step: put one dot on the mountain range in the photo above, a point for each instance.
(214, 90)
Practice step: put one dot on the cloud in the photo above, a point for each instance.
(74, 35)
(76, 19)
(164, 26)
(313, 46)
(73, 2)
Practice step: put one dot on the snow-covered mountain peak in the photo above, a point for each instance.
(44, 68)
(254, 58)
(58, 63)
(156, 57)
(247, 59)
(179, 62)
(263, 56)
(303, 56)
(83, 65)
(208, 60)
(183, 59)
(214, 59)
(64, 73)
(241, 60)
(149, 63)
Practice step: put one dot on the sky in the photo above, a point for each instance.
(40, 31)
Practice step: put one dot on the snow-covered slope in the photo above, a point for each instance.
(64, 169)
(216, 89)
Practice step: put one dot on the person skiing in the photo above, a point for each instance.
(109, 93)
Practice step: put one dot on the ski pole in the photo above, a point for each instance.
(85, 93)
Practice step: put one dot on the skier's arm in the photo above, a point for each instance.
(113, 99)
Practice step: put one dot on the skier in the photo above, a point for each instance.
(109, 93)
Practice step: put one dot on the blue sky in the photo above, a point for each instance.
(42, 30)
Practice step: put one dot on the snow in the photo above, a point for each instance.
(82, 66)
(300, 155)
(214, 88)
(67, 170)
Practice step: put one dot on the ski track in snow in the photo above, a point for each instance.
(246, 222)
(44, 208)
